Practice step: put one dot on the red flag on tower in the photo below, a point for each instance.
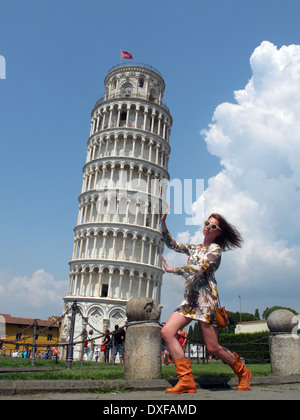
(126, 54)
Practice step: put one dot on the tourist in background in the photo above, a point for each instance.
(182, 338)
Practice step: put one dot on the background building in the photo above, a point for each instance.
(19, 333)
(117, 244)
(251, 327)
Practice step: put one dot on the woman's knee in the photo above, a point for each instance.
(164, 333)
(174, 323)
(213, 349)
(168, 333)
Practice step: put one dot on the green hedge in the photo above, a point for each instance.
(254, 347)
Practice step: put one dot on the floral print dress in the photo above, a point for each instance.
(200, 296)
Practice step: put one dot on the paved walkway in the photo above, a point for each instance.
(148, 392)
(152, 399)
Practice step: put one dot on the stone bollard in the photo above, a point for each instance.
(284, 346)
(143, 339)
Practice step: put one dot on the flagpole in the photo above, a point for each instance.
(120, 54)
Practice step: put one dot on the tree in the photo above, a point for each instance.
(198, 333)
(268, 311)
(256, 313)
(191, 333)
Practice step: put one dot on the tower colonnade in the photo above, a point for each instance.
(139, 116)
(111, 243)
(116, 173)
(133, 144)
(113, 283)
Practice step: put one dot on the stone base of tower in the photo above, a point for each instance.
(97, 314)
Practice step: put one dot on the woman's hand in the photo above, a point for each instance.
(166, 267)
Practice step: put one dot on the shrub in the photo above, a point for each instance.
(254, 347)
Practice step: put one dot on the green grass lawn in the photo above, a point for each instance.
(105, 371)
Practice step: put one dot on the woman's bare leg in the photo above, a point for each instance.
(210, 335)
(169, 330)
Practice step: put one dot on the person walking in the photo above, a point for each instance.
(164, 350)
(90, 345)
(200, 299)
(107, 344)
(119, 343)
(97, 353)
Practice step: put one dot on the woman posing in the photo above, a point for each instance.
(200, 299)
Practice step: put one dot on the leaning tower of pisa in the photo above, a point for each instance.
(117, 244)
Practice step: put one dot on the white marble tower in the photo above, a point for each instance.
(117, 244)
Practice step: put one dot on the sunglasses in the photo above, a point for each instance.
(214, 227)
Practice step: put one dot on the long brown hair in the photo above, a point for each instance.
(230, 236)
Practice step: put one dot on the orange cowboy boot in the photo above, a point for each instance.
(242, 372)
(186, 381)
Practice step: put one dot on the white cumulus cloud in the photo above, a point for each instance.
(37, 296)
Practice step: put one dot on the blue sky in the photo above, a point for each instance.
(57, 54)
